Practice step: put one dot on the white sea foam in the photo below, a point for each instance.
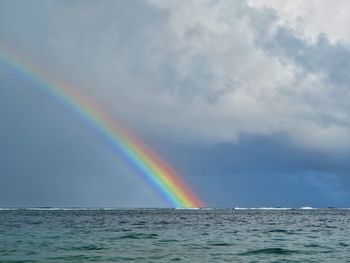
(263, 208)
(306, 208)
(49, 208)
(188, 208)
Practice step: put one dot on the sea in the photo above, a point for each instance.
(174, 235)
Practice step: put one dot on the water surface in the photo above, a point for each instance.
(167, 235)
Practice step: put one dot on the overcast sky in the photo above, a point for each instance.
(249, 100)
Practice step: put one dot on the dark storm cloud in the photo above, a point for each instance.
(263, 171)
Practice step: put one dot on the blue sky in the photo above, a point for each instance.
(247, 99)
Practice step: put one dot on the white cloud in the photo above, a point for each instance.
(312, 17)
(201, 70)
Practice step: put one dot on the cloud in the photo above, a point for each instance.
(312, 18)
(255, 99)
(202, 71)
(325, 99)
(263, 171)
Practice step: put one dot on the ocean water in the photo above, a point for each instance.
(175, 235)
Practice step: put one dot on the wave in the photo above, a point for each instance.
(263, 208)
(52, 208)
(188, 208)
(271, 250)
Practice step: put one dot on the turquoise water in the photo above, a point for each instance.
(167, 235)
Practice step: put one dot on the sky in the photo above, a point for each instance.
(247, 99)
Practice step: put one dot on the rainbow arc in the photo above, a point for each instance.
(144, 161)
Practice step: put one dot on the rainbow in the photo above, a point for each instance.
(164, 179)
